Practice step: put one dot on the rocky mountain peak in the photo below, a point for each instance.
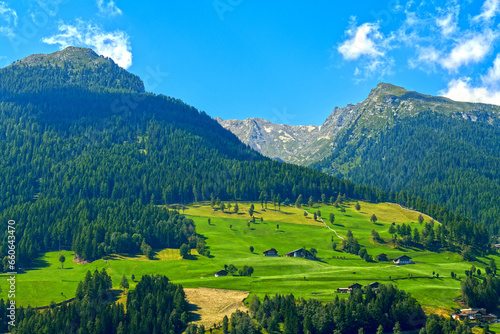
(384, 89)
(71, 54)
(71, 67)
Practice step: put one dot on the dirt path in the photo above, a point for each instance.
(328, 227)
(211, 305)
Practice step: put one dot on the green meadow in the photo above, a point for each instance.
(229, 238)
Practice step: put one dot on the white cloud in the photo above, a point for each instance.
(365, 40)
(428, 55)
(470, 50)
(489, 10)
(108, 8)
(115, 45)
(448, 23)
(8, 20)
(493, 75)
(462, 90)
(444, 39)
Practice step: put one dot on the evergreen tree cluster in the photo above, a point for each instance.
(95, 287)
(440, 325)
(155, 306)
(481, 293)
(384, 308)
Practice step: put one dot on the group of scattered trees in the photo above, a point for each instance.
(439, 236)
(245, 271)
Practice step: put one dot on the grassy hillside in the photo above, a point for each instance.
(303, 278)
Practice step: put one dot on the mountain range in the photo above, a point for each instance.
(442, 150)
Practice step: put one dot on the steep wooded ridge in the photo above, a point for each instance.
(87, 160)
(445, 151)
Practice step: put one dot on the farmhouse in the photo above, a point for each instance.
(221, 273)
(489, 317)
(270, 253)
(373, 285)
(350, 288)
(402, 260)
(497, 246)
(300, 253)
(474, 314)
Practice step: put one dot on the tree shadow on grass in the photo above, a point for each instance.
(285, 213)
(319, 259)
(68, 268)
(202, 236)
(193, 308)
(115, 294)
(38, 264)
(115, 256)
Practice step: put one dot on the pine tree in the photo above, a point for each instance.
(225, 325)
(392, 230)
(298, 202)
(124, 282)
(493, 266)
(184, 251)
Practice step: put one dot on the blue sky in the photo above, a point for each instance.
(285, 61)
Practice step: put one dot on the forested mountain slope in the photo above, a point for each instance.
(444, 151)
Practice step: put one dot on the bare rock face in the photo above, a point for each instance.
(308, 144)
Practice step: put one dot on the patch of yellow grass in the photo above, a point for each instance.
(286, 215)
(122, 299)
(388, 213)
(211, 305)
(442, 311)
(167, 254)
